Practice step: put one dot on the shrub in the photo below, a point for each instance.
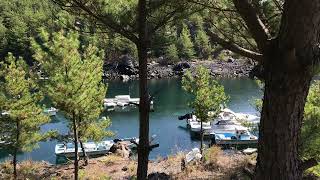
(185, 44)
(211, 155)
(172, 53)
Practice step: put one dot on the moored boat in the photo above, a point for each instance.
(242, 138)
(121, 101)
(51, 111)
(195, 125)
(91, 148)
(226, 126)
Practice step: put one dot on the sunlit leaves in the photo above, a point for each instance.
(75, 81)
(208, 93)
(19, 98)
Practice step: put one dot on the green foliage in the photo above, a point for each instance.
(310, 132)
(202, 44)
(20, 20)
(19, 98)
(75, 81)
(172, 53)
(185, 44)
(118, 45)
(208, 93)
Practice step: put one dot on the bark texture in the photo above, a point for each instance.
(14, 160)
(76, 155)
(281, 120)
(143, 147)
(287, 62)
(84, 154)
(288, 69)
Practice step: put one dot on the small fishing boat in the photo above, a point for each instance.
(51, 111)
(195, 125)
(242, 138)
(91, 148)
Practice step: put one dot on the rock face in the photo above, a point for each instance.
(125, 69)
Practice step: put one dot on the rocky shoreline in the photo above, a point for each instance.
(125, 69)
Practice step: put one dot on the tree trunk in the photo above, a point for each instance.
(201, 136)
(76, 156)
(144, 105)
(84, 154)
(14, 160)
(281, 119)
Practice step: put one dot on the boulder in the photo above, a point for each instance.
(126, 66)
(121, 148)
(158, 176)
(181, 66)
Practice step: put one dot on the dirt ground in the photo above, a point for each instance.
(215, 165)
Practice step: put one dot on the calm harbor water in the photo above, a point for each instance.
(170, 102)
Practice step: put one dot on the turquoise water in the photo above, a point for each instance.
(170, 102)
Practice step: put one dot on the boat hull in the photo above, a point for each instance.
(89, 153)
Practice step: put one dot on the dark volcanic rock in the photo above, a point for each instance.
(181, 66)
(126, 66)
(158, 176)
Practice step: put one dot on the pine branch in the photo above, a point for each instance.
(235, 48)
(258, 30)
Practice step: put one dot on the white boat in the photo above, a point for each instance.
(226, 126)
(2, 142)
(5, 113)
(91, 148)
(250, 151)
(51, 111)
(121, 101)
(227, 114)
(250, 118)
(241, 137)
(195, 125)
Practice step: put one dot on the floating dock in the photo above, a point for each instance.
(121, 101)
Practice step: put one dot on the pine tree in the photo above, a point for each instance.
(75, 85)
(208, 95)
(185, 44)
(172, 53)
(202, 44)
(21, 116)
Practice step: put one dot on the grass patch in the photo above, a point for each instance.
(111, 160)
